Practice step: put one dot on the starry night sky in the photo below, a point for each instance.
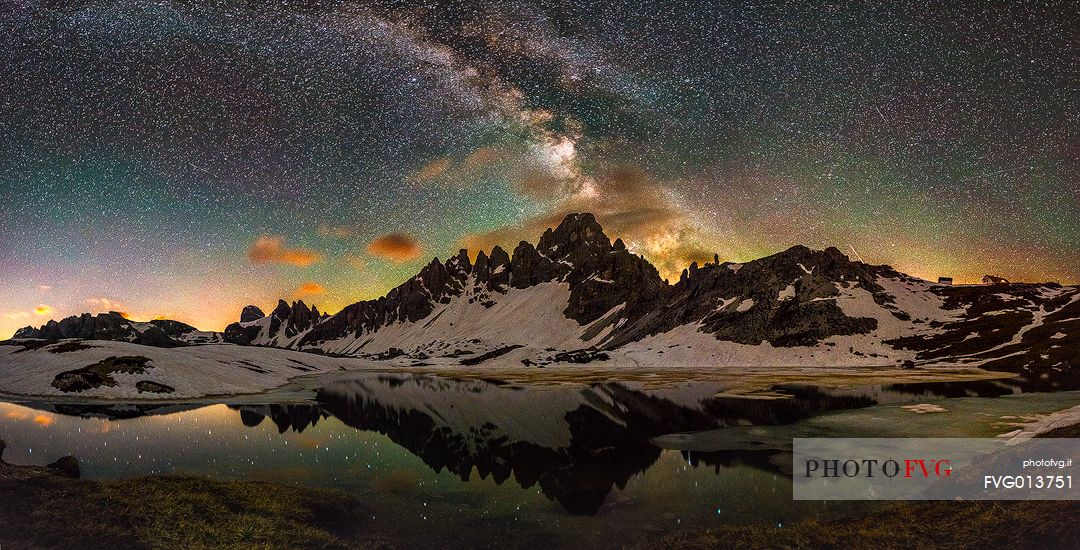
(186, 158)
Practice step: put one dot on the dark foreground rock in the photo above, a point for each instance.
(67, 466)
(147, 386)
(100, 373)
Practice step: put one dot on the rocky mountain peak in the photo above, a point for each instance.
(498, 257)
(786, 299)
(25, 332)
(251, 313)
(836, 255)
(481, 267)
(303, 316)
(460, 263)
(530, 267)
(286, 319)
(436, 282)
(576, 231)
(806, 255)
(282, 311)
(498, 269)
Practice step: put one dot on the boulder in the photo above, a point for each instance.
(67, 466)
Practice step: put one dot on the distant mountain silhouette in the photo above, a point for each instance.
(578, 297)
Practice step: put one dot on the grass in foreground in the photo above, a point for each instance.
(49, 511)
(949, 525)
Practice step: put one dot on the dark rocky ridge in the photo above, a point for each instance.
(993, 318)
(602, 276)
(578, 252)
(286, 320)
(804, 318)
(110, 326)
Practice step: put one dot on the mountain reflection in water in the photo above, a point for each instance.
(573, 443)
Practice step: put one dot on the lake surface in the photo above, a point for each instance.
(474, 462)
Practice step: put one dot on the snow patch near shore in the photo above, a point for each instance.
(924, 408)
(1050, 422)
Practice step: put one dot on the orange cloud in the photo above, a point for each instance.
(434, 169)
(39, 419)
(271, 249)
(43, 309)
(538, 184)
(448, 171)
(310, 289)
(396, 247)
(15, 315)
(480, 157)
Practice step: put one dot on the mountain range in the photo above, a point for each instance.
(577, 297)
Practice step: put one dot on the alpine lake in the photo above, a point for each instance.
(444, 462)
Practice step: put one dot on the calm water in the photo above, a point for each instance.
(478, 462)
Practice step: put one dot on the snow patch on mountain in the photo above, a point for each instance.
(533, 317)
(687, 346)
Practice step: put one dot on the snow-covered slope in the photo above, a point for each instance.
(124, 370)
(531, 317)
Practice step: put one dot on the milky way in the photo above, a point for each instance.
(183, 159)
